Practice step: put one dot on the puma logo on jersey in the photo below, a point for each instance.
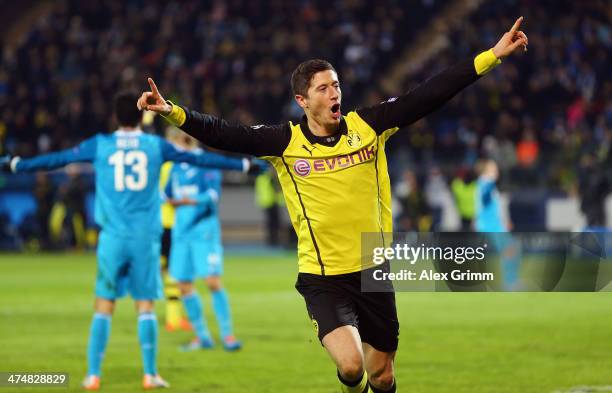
(306, 148)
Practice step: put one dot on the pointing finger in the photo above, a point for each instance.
(153, 86)
(516, 25)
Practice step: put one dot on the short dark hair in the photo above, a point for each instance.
(302, 75)
(126, 110)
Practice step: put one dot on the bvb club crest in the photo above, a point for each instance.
(353, 140)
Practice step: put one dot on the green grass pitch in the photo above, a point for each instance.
(449, 342)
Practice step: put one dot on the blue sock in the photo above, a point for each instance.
(147, 335)
(195, 313)
(222, 312)
(98, 337)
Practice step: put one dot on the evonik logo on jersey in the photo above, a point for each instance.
(304, 167)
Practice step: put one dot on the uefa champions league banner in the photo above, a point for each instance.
(487, 262)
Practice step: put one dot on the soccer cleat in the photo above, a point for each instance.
(197, 344)
(185, 325)
(154, 382)
(91, 382)
(182, 325)
(231, 344)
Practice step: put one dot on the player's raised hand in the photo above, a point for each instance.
(153, 100)
(511, 40)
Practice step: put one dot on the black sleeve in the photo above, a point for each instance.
(424, 99)
(260, 140)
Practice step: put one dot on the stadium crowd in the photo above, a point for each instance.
(545, 118)
(229, 58)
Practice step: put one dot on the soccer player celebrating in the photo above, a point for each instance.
(127, 163)
(196, 250)
(333, 172)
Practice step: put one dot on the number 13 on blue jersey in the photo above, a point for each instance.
(137, 162)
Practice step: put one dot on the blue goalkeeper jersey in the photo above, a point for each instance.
(127, 167)
(488, 208)
(199, 221)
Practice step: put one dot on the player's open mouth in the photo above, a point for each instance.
(335, 109)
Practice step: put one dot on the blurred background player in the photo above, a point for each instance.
(175, 316)
(269, 198)
(67, 218)
(196, 250)
(489, 220)
(464, 188)
(127, 163)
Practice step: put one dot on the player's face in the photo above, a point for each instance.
(324, 99)
(491, 170)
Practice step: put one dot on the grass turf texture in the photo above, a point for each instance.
(449, 342)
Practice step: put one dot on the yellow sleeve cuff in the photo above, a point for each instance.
(177, 116)
(485, 62)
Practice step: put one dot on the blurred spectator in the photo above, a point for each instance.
(436, 194)
(44, 193)
(270, 199)
(594, 187)
(414, 212)
(527, 150)
(68, 213)
(464, 192)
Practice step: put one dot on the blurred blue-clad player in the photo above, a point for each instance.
(127, 165)
(489, 220)
(197, 251)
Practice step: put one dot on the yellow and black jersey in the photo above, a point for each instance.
(336, 187)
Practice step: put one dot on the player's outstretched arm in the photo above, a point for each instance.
(205, 160)
(435, 92)
(84, 152)
(260, 140)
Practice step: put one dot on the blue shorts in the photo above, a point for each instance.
(191, 259)
(128, 264)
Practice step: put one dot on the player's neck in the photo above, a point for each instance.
(319, 129)
(129, 128)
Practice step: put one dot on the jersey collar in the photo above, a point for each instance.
(122, 132)
(330, 140)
